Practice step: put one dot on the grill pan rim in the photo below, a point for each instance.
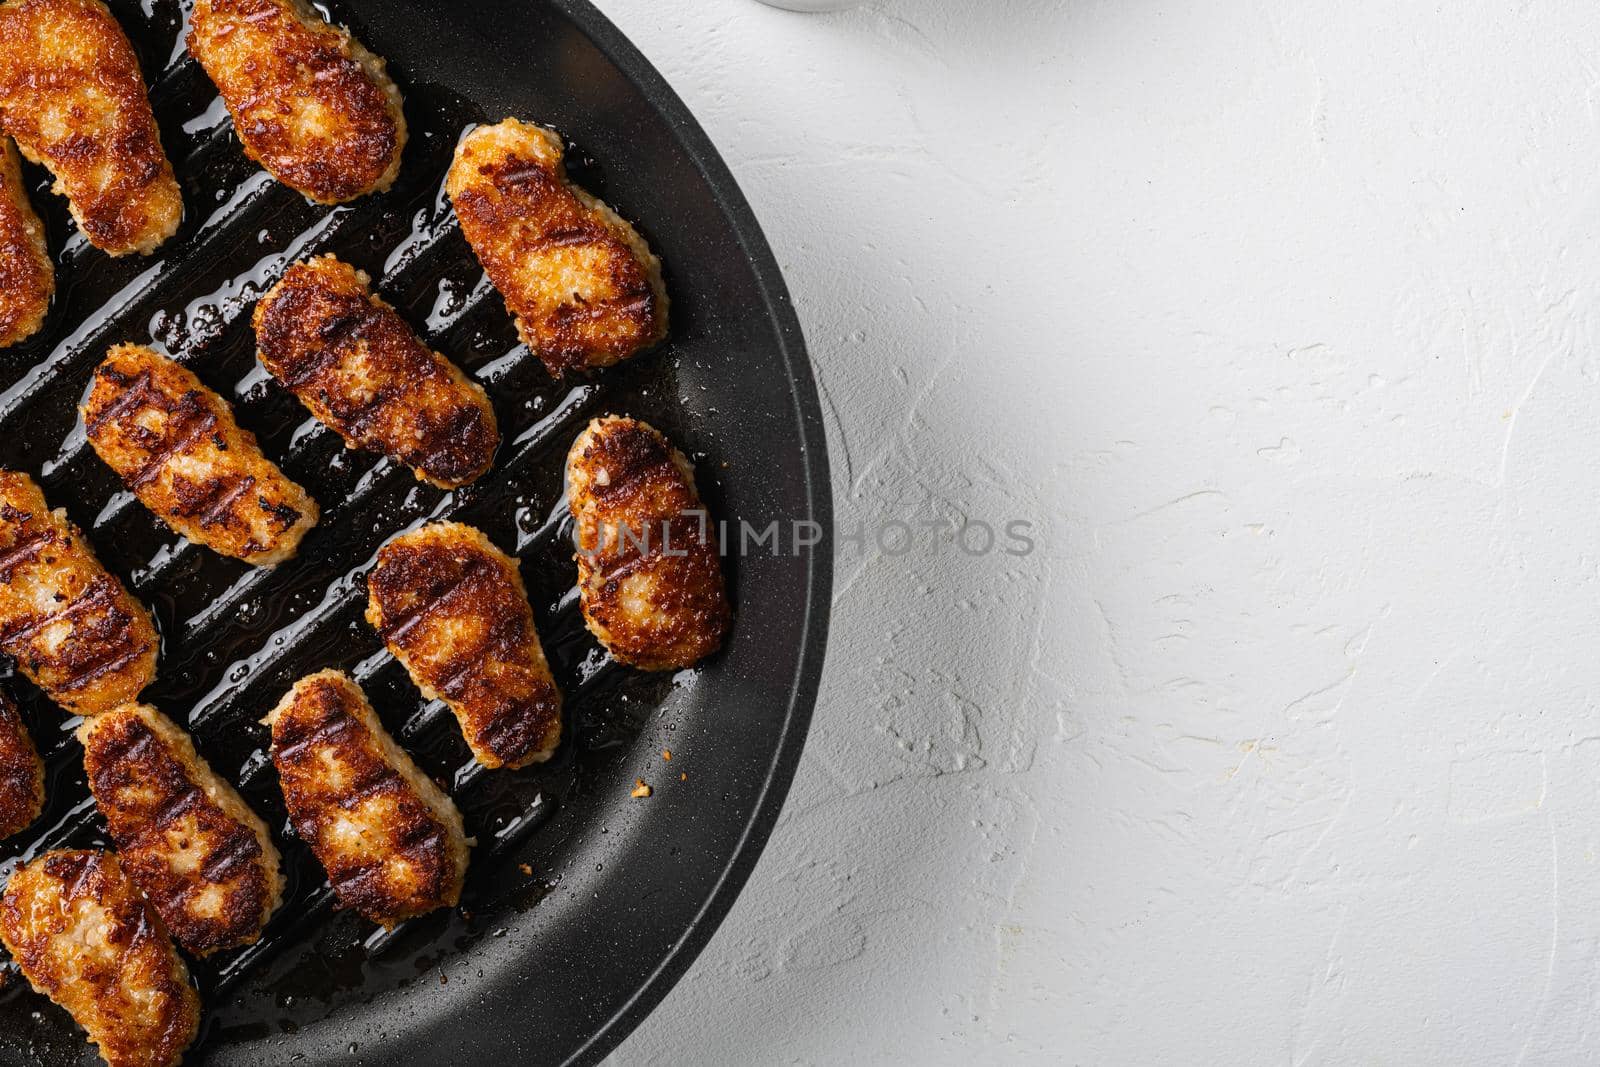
(818, 607)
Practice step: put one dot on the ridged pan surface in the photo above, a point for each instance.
(583, 903)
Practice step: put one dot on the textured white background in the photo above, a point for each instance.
(1278, 317)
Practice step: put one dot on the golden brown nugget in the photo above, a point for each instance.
(391, 841)
(73, 629)
(201, 857)
(585, 288)
(27, 280)
(452, 608)
(176, 445)
(309, 103)
(353, 361)
(21, 772)
(85, 938)
(649, 576)
(72, 95)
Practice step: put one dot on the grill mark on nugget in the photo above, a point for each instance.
(453, 609)
(649, 576)
(72, 628)
(353, 361)
(309, 103)
(72, 96)
(27, 279)
(185, 837)
(585, 288)
(21, 772)
(177, 446)
(391, 841)
(85, 938)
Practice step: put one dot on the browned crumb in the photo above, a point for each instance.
(355, 363)
(73, 628)
(21, 772)
(309, 103)
(526, 869)
(200, 855)
(452, 608)
(84, 937)
(177, 446)
(585, 289)
(27, 279)
(72, 95)
(640, 789)
(391, 841)
(649, 576)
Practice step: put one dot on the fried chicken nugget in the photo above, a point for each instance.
(353, 361)
(27, 279)
(85, 938)
(175, 443)
(73, 629)
(72, 95)
(21, 772)
(452, 608)
(391, 841)
(309, 103)
(649, 577)
(585, 288)
(203, 859)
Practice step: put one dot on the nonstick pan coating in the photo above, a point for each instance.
(584, 904)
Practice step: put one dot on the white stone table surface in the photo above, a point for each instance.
(1277, 319)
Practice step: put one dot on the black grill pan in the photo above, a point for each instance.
(583, 904)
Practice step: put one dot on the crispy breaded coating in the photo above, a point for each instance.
(176, 444)
(73, 629)
(185, 836)
(452, 608)
(649, 576)
(309, 103)
(391, 841)
(72, 95)
(21, 772)
(585, 288)
(27, 279)
(353, 361)
(85, 938)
